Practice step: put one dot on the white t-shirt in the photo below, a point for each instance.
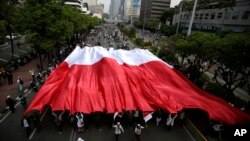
(25, 123)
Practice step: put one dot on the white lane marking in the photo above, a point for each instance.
(3, 60)
(14, 55)
(71, 135)
(34, 131)
(32, 134)
(189, 133)
(17, 104)
(23, 51)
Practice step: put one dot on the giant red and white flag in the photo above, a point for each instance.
(95, 79)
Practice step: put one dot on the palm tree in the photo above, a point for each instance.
(7, 18)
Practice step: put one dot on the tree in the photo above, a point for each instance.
(105, 15)
(168, 16)
(231, 54)
(7, 20)
(45, 24)
(197, 52)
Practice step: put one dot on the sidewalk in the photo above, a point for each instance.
(13, 90)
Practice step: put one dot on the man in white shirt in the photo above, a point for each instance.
(25, 122)
(118, 130)
(138, 129)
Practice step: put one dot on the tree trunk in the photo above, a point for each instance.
(40, 58)
(11, 43)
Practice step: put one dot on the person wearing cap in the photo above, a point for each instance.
(10, 103)
(138, 129)
(118, 130)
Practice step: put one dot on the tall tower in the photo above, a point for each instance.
(114, 8)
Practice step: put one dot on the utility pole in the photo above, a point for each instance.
(192, 18)
(179, 17)
(144, 18)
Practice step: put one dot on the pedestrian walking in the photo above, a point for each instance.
(170, 121)
(10, 78)
(138, 131)
(35, 118)
(136, 116)
(181, 117)
(10, 103)
(80, 121)
(32, 73)
(23, 101)
(118, 130)
(25, 123)
(20, 83)
(158, 116)
(58, 120)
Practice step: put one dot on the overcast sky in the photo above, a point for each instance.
(107, 3)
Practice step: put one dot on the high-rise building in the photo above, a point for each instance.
(131, 9)
(114, 9)
(214, 17)
(75, 3)
(97, 10)
(153, 9)
(90, 2)
(80, 4)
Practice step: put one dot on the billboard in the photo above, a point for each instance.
(136, 3)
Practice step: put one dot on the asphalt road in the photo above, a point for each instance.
(5, 50)
(11, 130)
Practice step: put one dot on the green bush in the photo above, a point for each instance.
(148, 43)
(139, 42)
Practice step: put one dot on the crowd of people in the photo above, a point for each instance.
(81, 122)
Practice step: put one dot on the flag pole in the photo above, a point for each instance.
(179, 17)
(192, 18)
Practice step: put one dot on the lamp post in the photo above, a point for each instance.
(179, 17)
(192, 18)
(144, 18)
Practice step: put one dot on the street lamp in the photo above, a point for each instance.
(144, 19)
(179, 18)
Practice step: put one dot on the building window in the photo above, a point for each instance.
(212, 16)
(235, 15)
(187, 17)
(201, 16)
(219, 15)
(196, 16)
(206, 16)
(245, 15)
(227, 15)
